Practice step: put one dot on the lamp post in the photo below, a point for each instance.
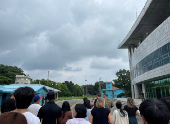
(86, 86)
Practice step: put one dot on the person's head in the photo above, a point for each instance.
(118, 105)
(87, 103)
(12, 96)
(80, 111)
(98, 95)
(166, 100)
(154, 111)
(36, 99)
(84, 99)
(12, 118)
(65, 107)
(23, 97)
(51, 96)
(100, 102)
(130, 102)
(105, 95)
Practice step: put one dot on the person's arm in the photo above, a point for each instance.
(40, 114)
(110, 119)
(91, 118)
(138, 112)
(59, 116)
(114, 117)
(59, 120)
(112, 105)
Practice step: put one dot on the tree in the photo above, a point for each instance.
(10, 72)
(123, 81)
(5, 80)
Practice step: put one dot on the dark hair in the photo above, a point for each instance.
(81, 111)
(12, 118)
(51, 95)
(65, 107)
(23, 96)
(119, 106)
(87, 104)
(11, 94)
(154, 111)
(166, 100)
(99, 95)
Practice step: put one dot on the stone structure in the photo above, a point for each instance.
(148, 44)
(22, 79)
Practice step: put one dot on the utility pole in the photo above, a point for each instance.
(99, 85)
(86, 86)
(48, 75)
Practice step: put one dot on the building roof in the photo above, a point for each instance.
(152, 15)
(13, 87)
(53, 89)
(114, 88)
(22, 76)
(107, 89)
(49, 88)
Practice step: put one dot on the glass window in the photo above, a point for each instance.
(167, 90)
(165, 49)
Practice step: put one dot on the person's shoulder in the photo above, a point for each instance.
(31, 116)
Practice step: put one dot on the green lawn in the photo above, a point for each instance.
(75, 97)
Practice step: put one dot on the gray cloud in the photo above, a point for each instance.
(50, 35)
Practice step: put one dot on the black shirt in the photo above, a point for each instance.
(49, 113)
(8, 105)
(100, 115)
(131, 111)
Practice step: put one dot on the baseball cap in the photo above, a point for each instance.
(36, 98)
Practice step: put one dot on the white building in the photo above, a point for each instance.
(148, 44)
(22, 79)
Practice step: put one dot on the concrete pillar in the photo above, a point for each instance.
(133, 95)
(132, 49)
(143, 89)
(136, 91)
(129, 52)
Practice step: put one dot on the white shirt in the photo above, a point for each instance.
(117, 119)
(77, 121)
(34, 109)
(88, 114)
(31, 118)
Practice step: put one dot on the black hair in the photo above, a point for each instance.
(154, 111)
(65, 107)
(84, 99)
(87, 104)
(166, 100)
(51, 95)
(23, 97)
(119, 106)
(81, 111)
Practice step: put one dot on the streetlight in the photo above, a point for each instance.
(86, 86)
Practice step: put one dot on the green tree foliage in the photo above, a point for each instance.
(123, 81)
(5, 80)
(9, 72)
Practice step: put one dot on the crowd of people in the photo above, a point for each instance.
(23, 107)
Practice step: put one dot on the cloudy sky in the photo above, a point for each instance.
(73, 39)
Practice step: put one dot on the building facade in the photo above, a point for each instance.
(6, 90)
(22, 79)
(112, 91)
(148, 44)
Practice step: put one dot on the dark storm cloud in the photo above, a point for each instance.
(48, 35)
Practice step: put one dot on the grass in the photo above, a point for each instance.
(75, 97)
